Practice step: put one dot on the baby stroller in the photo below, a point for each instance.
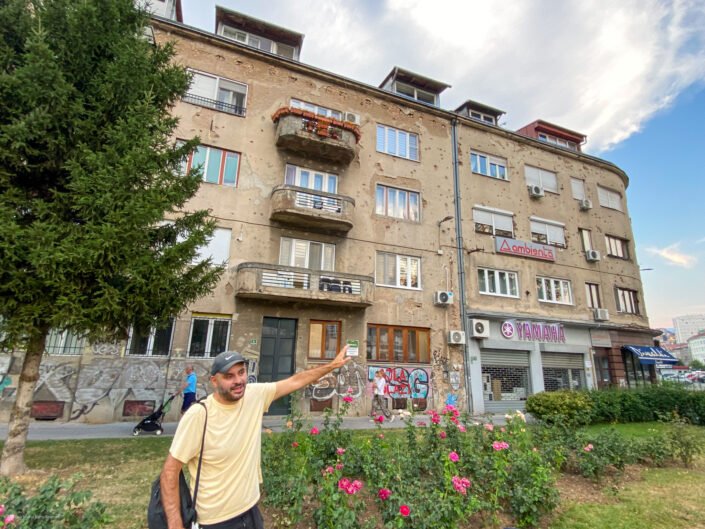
(153, 421)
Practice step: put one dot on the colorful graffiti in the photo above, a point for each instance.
(351, 375)
(405, 383)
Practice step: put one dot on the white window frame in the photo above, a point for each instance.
(555, 140)
(316, 109)
(609, 199)
(482, 213)
(547, 180)
(217, 248)
(401, 261)
(150, 341)
(554, 232)
(304, 177)
(211, 151)
(481, 116)
(492, 164)
(503, 283)
(593, 299)
(64, 343)
(209, 333)
(585, 239)
(627, 300)
(386, 209)
(617, 247)
(553, 290)
(255, 41)
(416, 93)
(577, 186)
(389, 141)
(297, 246)
(220, 82)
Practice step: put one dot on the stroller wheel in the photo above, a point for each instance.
(159, 432)
(136, 431)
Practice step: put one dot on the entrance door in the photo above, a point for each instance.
(277, 356)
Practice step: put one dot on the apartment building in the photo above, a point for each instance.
(474, 264)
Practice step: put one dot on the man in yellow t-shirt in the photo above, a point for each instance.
(228, 489)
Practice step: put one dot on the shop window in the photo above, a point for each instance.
(556, 378)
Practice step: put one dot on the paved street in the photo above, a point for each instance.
(50, 430)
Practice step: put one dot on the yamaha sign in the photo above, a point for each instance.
(533, 331)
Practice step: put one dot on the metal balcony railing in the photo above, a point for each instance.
(214, 104)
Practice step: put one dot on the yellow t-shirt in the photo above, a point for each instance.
(231, 471)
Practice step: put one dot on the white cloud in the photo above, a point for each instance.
(673, 256)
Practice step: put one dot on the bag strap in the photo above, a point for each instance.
(200, 456)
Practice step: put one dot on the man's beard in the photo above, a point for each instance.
(227, 395)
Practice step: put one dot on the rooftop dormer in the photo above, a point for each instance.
(170, 9)
(258, 34)
(414, 86)
(553, 134)
(480, 112)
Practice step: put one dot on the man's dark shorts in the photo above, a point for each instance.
(251, 519)
(189, 398)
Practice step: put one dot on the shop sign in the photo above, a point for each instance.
(533, 331)
(524, 249)
(600, 338)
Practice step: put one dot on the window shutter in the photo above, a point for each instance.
(413, 147)
(285, 251)
(578, 187)
(290, 178)
(504, 223)
(380, 138)
(532, 176)
(203, 86)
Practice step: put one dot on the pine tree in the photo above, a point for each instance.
(89, 171)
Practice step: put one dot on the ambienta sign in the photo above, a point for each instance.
(533, 331)
(524, 249)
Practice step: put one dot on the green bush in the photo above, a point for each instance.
(55, 505)
(568, 407)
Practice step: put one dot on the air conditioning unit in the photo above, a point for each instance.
(456, 337)
(592, 255)
(352, 118)
(601, 314)
(585, 204)
(535, 191)
(480, 328)
(443, 297)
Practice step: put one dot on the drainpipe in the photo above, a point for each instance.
(461, 258)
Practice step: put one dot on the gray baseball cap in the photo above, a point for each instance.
(225, 361)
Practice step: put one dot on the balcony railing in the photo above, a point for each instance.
(309, 208)
(261, 280)
(217, 105)
(325, 138)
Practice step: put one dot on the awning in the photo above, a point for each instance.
(651, 355)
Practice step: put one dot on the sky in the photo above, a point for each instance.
(630, 74)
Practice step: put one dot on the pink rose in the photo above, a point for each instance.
(380, 419)
(384, 494)
(294, 444)
(340, 451)
(461, 428)
(10, 518)
(588, 448)
(348, 399)
(314, 431)
(442, 435)
(489, 427)
(453, 456)
(404, 510)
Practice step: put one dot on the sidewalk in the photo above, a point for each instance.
(50, 430)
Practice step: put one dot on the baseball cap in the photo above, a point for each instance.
(225, 361)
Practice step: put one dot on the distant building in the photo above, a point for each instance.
(680, 351)
(687, 326)
(696, 347)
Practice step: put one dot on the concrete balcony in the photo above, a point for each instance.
(315, 136)
(308, 208)
(297, 285)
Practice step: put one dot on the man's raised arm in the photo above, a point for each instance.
(304, 378)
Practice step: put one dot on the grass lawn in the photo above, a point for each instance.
(119, 473)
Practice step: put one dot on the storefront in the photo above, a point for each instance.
(640, 363)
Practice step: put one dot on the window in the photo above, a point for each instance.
(552, 290)
(554, 140)
(617, 247)
(609, 199)
(310, 179)
(415, 93)
(217, 248)
(219, 166)
(397, 142)
(209, 335)
(585, 238)
(592, 295)
(64, 343)
(398, 270)
(258, 42)
(493, 221)
(578, 188)
(152, 342)
(480, 116)
(487, 165)
(627, 300)
(218, 93)
(387, 343)
(323, 339)
(498, 282)
(307, 254)
(316, 109)
(540, 177)
(547, 232)
(398, 203)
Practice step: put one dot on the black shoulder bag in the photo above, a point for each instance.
(156, 517)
